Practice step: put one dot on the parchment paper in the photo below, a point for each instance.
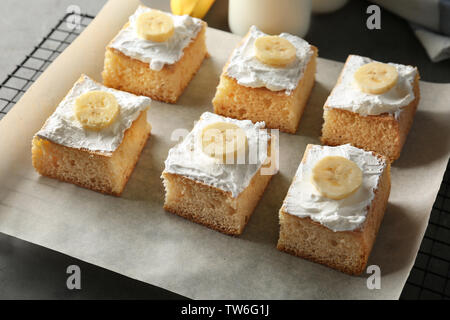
(134, 236)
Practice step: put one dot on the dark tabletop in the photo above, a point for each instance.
(29, 271)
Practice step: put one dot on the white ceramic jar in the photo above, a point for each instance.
(270, 16)
(327, 6)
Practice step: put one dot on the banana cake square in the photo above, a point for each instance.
(220, 193)
(334, 206)
(267, 78)
(372, 106)
(156, 54)
(94, 137)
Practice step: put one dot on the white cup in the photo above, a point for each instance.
(271, 16)
(327, 6)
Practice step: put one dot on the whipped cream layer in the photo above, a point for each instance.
(348, 96)
(63, 128)
(157, 54)
(303, 199)
(250, 72)
(188, 160)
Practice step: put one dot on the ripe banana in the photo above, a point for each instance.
(154, 26)
(96, 110)
(194, 8)
(223, 141)
(182, 7)
(274, 51)
(202, 8)
(336, 177)
(376, 77)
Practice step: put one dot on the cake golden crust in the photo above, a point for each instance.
(383, 133)
(128, 74)
(213, 208)
(277, 109)
(346, 251)
(107, 173)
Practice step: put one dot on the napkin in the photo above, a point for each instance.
(430, 21)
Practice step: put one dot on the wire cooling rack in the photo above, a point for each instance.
(429, 278)
(23, 76)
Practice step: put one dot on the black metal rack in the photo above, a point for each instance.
(23, 76)
(429, 278)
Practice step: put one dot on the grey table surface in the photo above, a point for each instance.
(29, 271)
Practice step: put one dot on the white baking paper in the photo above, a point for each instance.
(134, 236)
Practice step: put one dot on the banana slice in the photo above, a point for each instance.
(96, 110)
(376, 77)
(274, 51)
(154, 26)
(336, 177)
(223, 140)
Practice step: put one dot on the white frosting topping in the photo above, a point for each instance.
(347, 95)
(187, 159)
(63, 128)
(157, 54)
(303, 199)
(249, 71)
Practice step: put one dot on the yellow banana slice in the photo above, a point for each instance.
(181, 7)
(336, 177)
(274, 51)
(155, 26)
(376, 77)
(96, 110)
(223, 141)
